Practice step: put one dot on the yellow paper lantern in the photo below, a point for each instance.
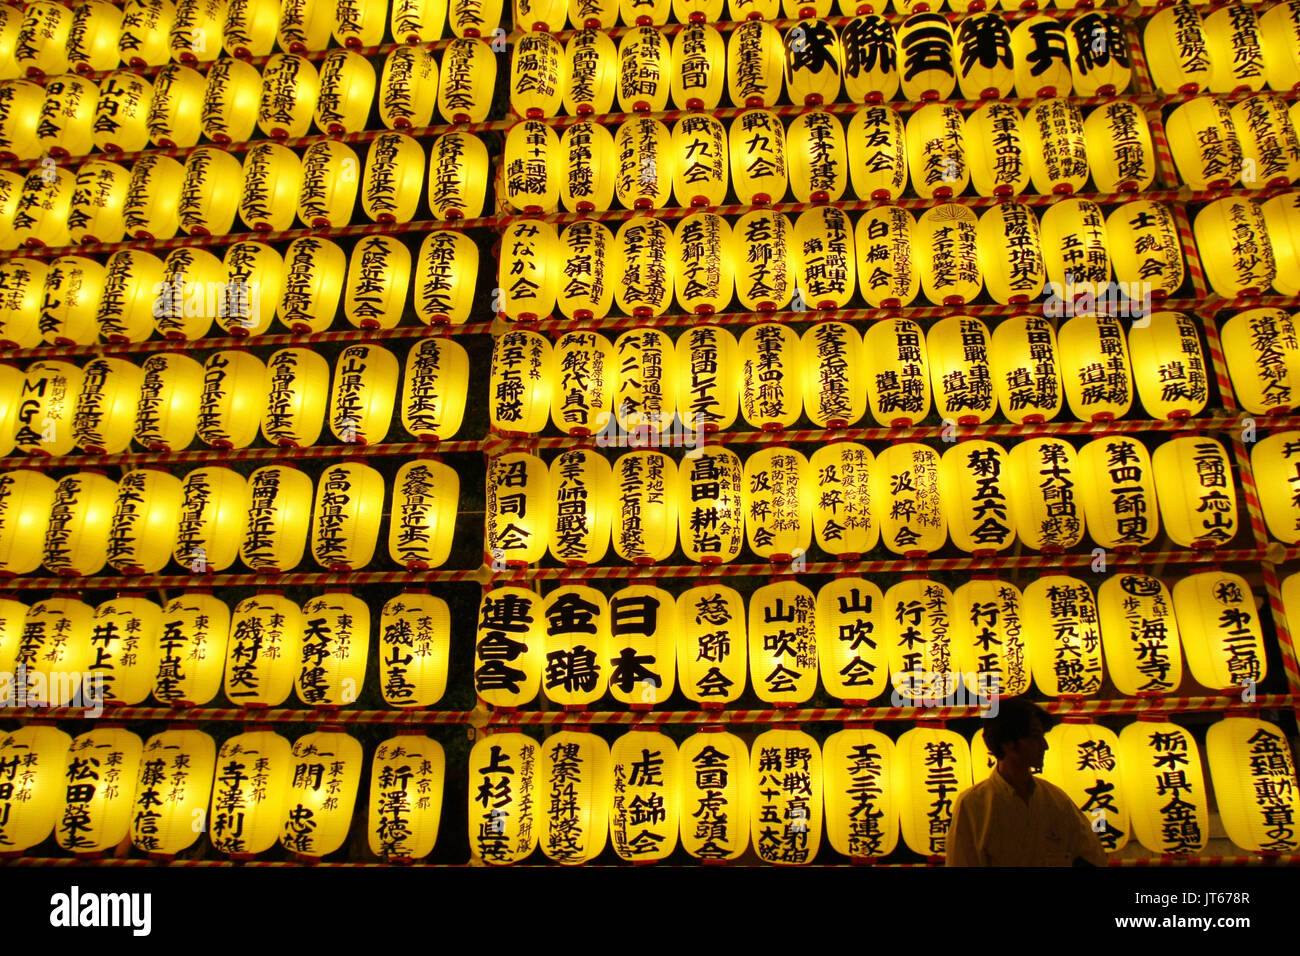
(758, 158)
(425, 496)
(576, 797)
(707, 384)
(390, 186)
(234, 393)
(22, 288)
(250, 30)
(358, 24)
(1168, 366)
(906, 498)
(304, 26)
(588, 166)
(1140, 635)
(508, 646)
(645, 173)
(298, 383)
(577, 644)
(812, 62)
(1099, 55)
(76, 540)
(265, 642)
(408, 88)
(466, 81)
(253, 774)
(378, 278)
(895, 362)
(1009, 254)
(319, 805)
(208, 196)
(1120, 497)
(279, 516)
(644, 524)
(1279, 26)
(785, 797)
(772, 376)
(47, 408)
(1197, 497)
(584, 362)
(133, 281)
(110, 391)
(783, 643)
(877, 153)
(214, 512)
(862, 809)
(643, 287)
(335, 642)
(1236, 226)
(714, 767)
(414, 642)
(1055, 145)
(1121, 156)
(936, 151)
(1281, 221)
(271, 185)
(176, 110)
(445, 276)
(346, 516)
(193, 291)
(997, 141)
(1254, 783)
(589, 71)
(988, 642)
(1099, 386)
(1146, 252)
(537, 76)
(142, 530)
(528, 274)
(365, 390)
(41, 217)
(521, 383)
(1274, 481)
(1075, 249)
(580, 526)
(51, 666)
(1269, 146)
(1063, 636)
(769, 272)
(1203, 140)
(834, 382)
(93, 36)
(328, 186)
(591, 262)
(711, 511)
(1236, 52)
(642, 646)
(850, 650)
(1221, 630)
(458, 164)
(194, 33)
(843, 522)
(434, 387)
(406, 786)
(645, 390)
(531, 167)
(417, 21)
(151, 210)
(1263, 358)
(1164, 787)
(31, 801)
(753, 9)
(346, 88)
(505, 783)
(124, 640)
(926, 47)
(11, 21)
(67, 116)
(712, 647)
(40, 48)
(95, 809)
(518, 509)
(26, 498)
(1083, 760)
(1026, 370)
(823, 240)
(698, 66)
(946, 243)
(887, 273)
(647, 796)
(918, 637)
(173, 789)
(1177, 49)
(20, 112)
(1048, 515)
(168, 414)
(11, 387)
(870, 52)
(975, 482)
(983, 56)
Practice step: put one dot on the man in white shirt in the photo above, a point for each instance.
(1012, 818)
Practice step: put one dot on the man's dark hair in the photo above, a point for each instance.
(1012, 722)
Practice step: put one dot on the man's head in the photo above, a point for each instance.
(1016, 732)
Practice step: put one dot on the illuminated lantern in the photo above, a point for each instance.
(1009, 254)
(532, 154)
(168, 414)
(870, 58)
(335, 644)
(1269, 145)
(25, 507)
(11, 387)
(142, 530)
(193, 291)
(96, 808)
(642, 646)
(783, 643)
(214, 513)
(298, 382)
(1177, 51)
(589, 73)
(703, 273)
(125, 634)
(234, 394)
(466, 81)
(1055, 145)
(41, 218)
(714, 787)
(23, 283)
(41, 46)
(644, 71)
(194, 31)
(279, 518)
(896, 364)
(54, 652)
(20, 113)
(1083, 760)
(646, 774)
(834, 384)
(1236, 52)
(469, 18)
(931, 766)
(587, 171)
(110, 391)
(711, 512)
(1270, 464)
(576, 643)
(42, 751)
(785, 785)
(1099, 55)
(767, 276)
(1168, 366)
(850, 621)
(1263, 357)
(508, 646)
(92, 38)
(1063, 636)
(1204, 143)
(521, 383)
(707, 384)
(579, 534)
(1099, 385)
(877, 154)
(862, 808)
(1221, 632)
(842, 518)
(417, 21)
(947, 248)
(778, 502)
(254, 772)
(1235, 226)
(365, 390)
(1026, 372)
(812, 62)
(999, 146)
(926, 46)
(772, 365)
(122, 113)
(151, 210)
(1075, 248)
(518, 509)
(536, 76)
(67, 116)
(76, 540)
(11, 187)
(1120, 500)
(700, 160)
(390, 185)
(177, 107)
(1140, 635)
(445, 276)
(319, 804)
(414, 641)
(378, 276)
(47, 408)
(1164, 787)
(1279, 29)
(983, 55)
(1121, 156)
(644, 525)
(425, 495)
(312, 284)
(887, 272)
(1249, 758)
(645, 392)
(699, 57)
(458, 164)
(346, 516)
(988, 638)
(327, 187)
(528, 273)
(11, 21)
(591, 261)
(826, 273)
(758, 163)
(755, 65)
(1146, 252)
(133, 281)
(503, 830)
(250, 29)
(272, 180)
(1197, 497)
(1045, 473)
(581, 402)
(712, 648)
(358, 24)
(433, 389)
(265, 641)
(906, 498)
(304, 26)
(575, 797)
(645, 164)
(975, 481)
(1282, 223)
(408, 88)
(208, 196)
(406, 786)
(345, 90)
(936, 151)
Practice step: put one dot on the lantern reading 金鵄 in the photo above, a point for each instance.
(714, 788)
(1063, 636)
(1121, 156)
(95, 811)
(347, 88)
(755, 64)
(172, 791)
(582, 400)
(1198, 501)
(1164, 787)
(504, 813)
(1221, 630)
(785, 785)
(1254, 783)
(975, 484)
(936, 151)
(76, 539)
(335, 642)
(191, 650)
(214, 510)
(110, 391)
(646, 774)
(887, 275)
(712, 645)
(590, 72)
(298, 386)
(575, 796)
(406, 786)
(234, 394)
(414, 643)
(518, 509)
(168, 413)
(851, 650)
(870, 52)
(1083, 760)
(1099, 384)
(509, 651)
(254, 773)
(263, 650)
(931, 766)
(28, 812)
(783, 643)
(998, 145)
(772, 376)
(425, 496)
(346, 516)
(1139, 634)
(125, 635)
(862, 805)
(699, 57)
(1169, 366)
(581, 481)
(279, 519)
(877, 153)
(142, 530)
(318, 807)
(989, 645)
(642, 646)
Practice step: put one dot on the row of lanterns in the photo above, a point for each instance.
(57, 407)
(62, 652)
(573, 794)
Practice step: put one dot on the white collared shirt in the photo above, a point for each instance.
(992, 826)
